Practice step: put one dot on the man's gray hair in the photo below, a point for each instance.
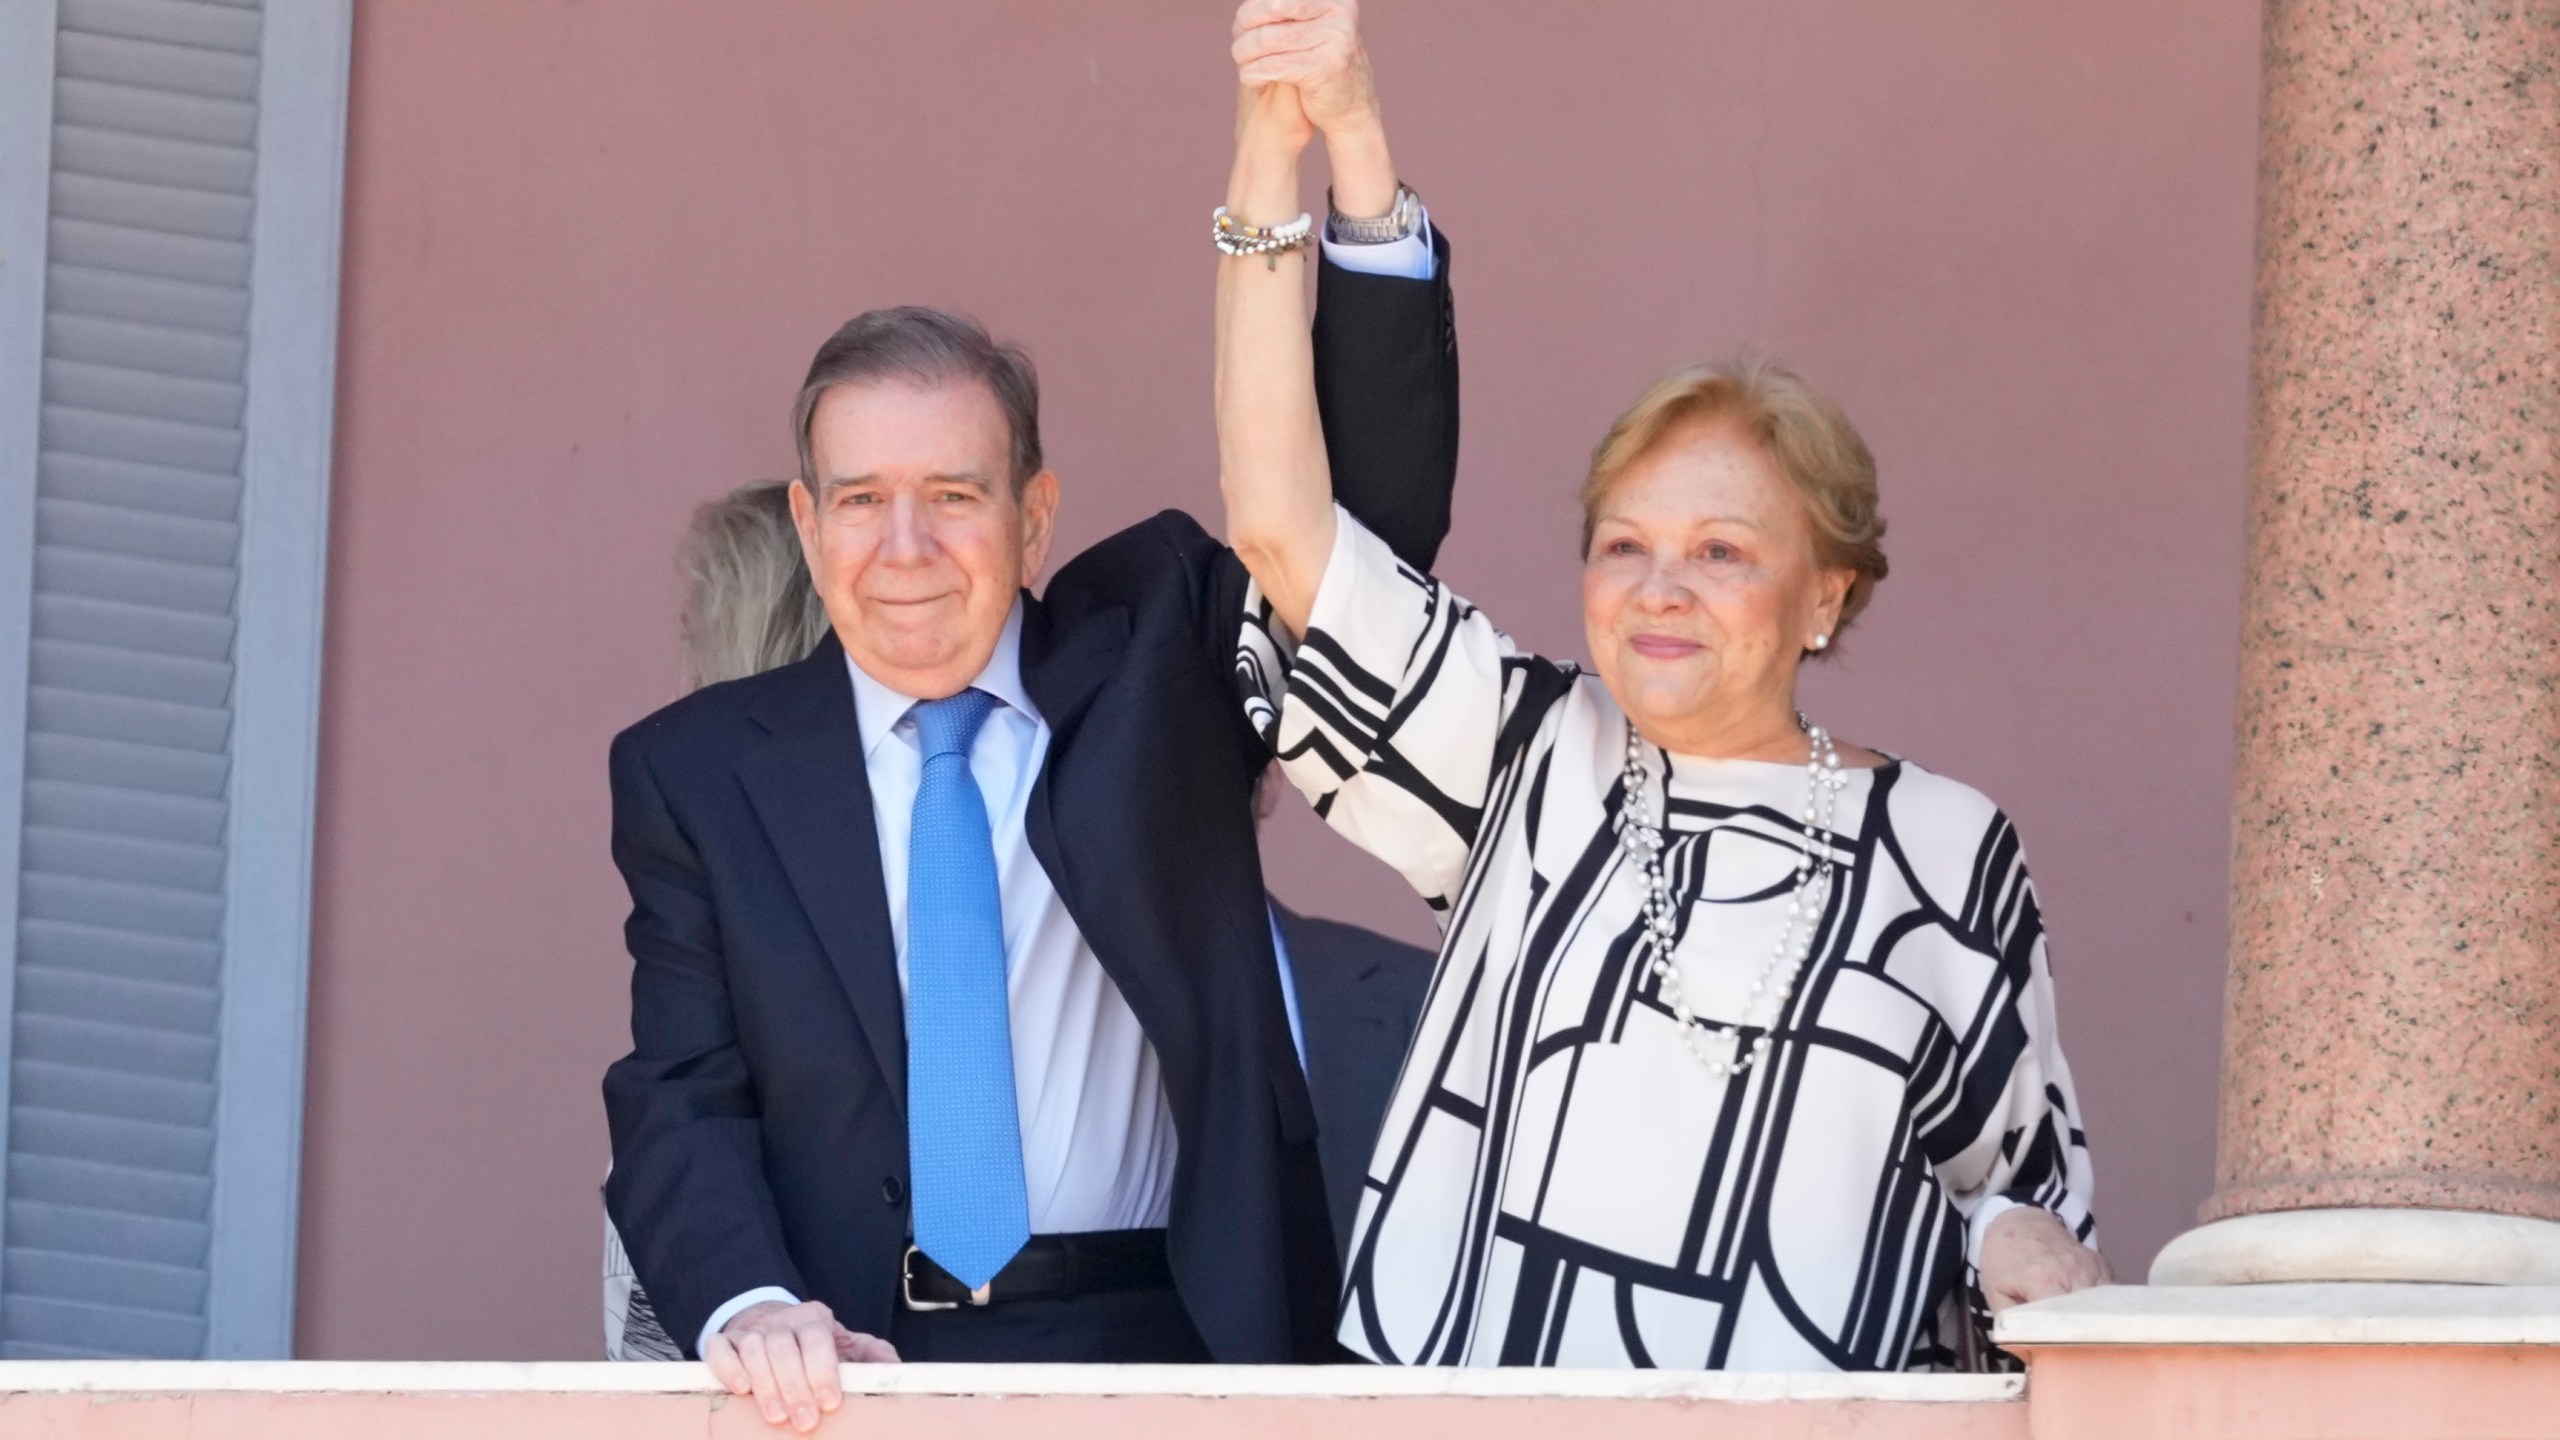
(748, 603)
(923, 347)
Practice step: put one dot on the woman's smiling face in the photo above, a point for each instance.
(1701, 593)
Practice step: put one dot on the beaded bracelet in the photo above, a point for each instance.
(1234, 237)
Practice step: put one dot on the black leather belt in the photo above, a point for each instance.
(1050, 1267)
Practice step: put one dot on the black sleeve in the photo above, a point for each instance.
(1387, 387)
(688, 1187)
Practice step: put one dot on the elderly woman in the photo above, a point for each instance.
(1740, 1050)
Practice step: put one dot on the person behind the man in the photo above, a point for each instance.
(943, 935)
(748, 608)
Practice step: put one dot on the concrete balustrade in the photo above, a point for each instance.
(2292, 1362)
(337, 1400)
(2250, 1362)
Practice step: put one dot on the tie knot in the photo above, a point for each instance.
(950, 725)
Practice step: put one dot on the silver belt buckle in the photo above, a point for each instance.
(907, 1287)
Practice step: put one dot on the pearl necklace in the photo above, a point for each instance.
(1641, 836)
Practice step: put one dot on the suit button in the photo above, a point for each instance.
(893, 1190)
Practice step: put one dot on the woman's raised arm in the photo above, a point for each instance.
(1271, 457)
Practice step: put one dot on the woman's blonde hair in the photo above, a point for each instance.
(748, 603)
(1805, 434)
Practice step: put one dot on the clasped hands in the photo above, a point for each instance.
(1303, 71)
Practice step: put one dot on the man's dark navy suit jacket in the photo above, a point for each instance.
(759, 1122)
(1360, 996)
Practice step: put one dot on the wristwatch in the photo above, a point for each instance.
(1402, 221)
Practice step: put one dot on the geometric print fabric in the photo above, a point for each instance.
(1558, 1182)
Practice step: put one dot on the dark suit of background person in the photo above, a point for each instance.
(743, 827)
(1359, 996)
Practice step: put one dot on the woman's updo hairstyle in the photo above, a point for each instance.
(1805, 434)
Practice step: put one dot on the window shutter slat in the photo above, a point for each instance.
(193, 23)
(134, 346)
(107, 762)
(109, 1191)
(111, 199)
(76, 1331)
(184, 1008)
(138, 486)
(176, 70)
(153, 110)
(132, 627)
(89, 1229)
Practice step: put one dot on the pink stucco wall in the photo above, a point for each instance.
(590, 245)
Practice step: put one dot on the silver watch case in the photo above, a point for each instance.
(1401, 222)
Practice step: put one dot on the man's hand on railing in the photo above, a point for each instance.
(785, 1356)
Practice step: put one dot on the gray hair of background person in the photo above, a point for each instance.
(748, 607)
(923, 347)
(748, 604)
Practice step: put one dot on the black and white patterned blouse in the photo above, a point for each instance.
(1559, 1181)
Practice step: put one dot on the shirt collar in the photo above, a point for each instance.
(880, 709)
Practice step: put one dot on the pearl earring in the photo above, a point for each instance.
(1821, 642)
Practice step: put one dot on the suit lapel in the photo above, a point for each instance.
(1063, 665)
(809, 788)
(1063, 668)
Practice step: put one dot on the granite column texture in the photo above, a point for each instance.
(2393, 1026)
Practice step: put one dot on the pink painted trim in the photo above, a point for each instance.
(2299, 1392)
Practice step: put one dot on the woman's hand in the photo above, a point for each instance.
(1312, 49)
(2027, 1254)
(1272, 130)
(1315, 46)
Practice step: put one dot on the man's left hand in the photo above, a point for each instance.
(1314, 45)
(2028, 1254)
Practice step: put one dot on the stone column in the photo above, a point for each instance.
(2391, 1062)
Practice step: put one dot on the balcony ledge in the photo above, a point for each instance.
(1273, 1382)
(328, 1400)
(2375, 1313)
(2373, 1361)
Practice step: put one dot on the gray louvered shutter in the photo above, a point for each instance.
(128, 813)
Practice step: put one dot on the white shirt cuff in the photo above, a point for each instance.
(1978, 1224)
(1407, 259)
(729, 1312)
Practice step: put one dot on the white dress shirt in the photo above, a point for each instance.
(1098, 1142)
(1097, 1129)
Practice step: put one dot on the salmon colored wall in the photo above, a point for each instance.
(590, 246)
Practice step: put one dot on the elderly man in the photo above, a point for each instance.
(957, 1032)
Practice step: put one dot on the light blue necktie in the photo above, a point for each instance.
(964, 1142)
